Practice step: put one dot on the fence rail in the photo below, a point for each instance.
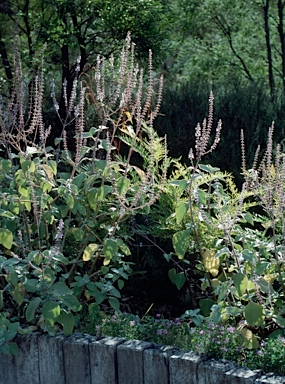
(84, 359)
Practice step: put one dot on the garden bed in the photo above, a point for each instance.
(85, 359)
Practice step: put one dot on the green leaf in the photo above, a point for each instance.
(66, 319)
(248, 218)
(233, 311)
(181, 210)
(78, 180)
(206, 305)
(248, 255)
(32, 307)
(178, 279)
(182, 184)
(110, 248)
(265, 286)
(254, 314)
(222, 252)
(89, 251)
(223, 290)
(114, 302)
(210, 262)
(123, 185)
(6, 238)
(240, 282)
(181, 242)
(53, 166)
(279, 320)
(69, 201)
(208, 168)
(248, 339)
(59, 257)
(60, 289)
(51, 312)
(97, 195)
(19, 293)
(12, 278)
(1, 300)
(28, 165)
(72, 303)
(7, 214)
(123, 247)
(6, 165)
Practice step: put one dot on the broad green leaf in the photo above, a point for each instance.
(248, 255)
(71, 302)
(181, 210)
(210, 262)
(223, 290)
(123, 247)
(31, 285)
(123, 185)
(216, 313)
(248, 218)
(19, 293)
(114, 302)
(181, 242)
(179, 280)
(89, 251)
(78, 180)
(206, 305)
(6, 165)
(28, 165)
(69, 201)
(6, 238)
(78, 234)
(53, 166)
(7, 214)
(240, 282)
(32, 307)
(66, 319)
(254, 314)
(233, 311)
(279, 320)
(182, 184)
(48, 171)
(208, 168)
(265, 286)
(58, 256)
(120, 284)
(60, 289)
(222, 252)
(172, 274)
(110, 248)
(97, 195)
(12, 278)
(248, 339)
(51, 311)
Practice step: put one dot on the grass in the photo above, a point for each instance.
(220, 341)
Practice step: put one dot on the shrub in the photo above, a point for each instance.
(65, 216)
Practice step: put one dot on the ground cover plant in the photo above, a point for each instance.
(216, 341)
(70, 207)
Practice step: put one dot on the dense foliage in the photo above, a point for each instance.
(71, 196)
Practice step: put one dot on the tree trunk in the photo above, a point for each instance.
(282, 39)
(268, 47)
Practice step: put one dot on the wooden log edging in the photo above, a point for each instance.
(84, 359)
